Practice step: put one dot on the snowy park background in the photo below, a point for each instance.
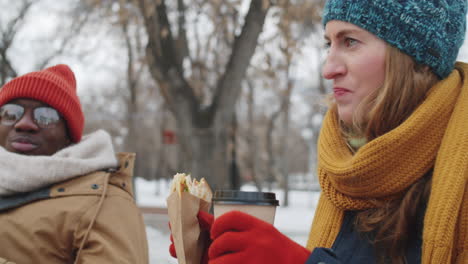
(97, 53)
(294, 220)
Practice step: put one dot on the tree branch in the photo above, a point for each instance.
(182, 44)
(162, 57)
(7, 37)
(228, 89)
(75, 30)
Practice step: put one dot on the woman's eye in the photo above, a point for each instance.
(349, 42)
(327, 45)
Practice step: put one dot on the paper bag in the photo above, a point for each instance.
(189, 240)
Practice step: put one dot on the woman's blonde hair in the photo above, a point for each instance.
(405, 86)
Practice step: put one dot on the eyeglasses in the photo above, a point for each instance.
(44, 116)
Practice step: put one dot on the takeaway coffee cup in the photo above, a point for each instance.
(259, 204)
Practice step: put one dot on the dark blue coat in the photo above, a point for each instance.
(350, 247)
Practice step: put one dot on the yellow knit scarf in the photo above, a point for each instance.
(434, 136)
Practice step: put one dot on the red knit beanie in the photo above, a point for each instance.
(55, 86)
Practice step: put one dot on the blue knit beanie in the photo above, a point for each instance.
(430, 31)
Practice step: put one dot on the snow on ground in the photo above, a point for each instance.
(294, 220)
(158, 244)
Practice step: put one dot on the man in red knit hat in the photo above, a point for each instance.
(64, 197)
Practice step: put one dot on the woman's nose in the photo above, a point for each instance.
(26, 123)
(334, 66)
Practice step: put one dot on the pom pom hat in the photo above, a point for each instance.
(430, 31)
(55, 86)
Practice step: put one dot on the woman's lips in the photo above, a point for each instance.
(338, 91)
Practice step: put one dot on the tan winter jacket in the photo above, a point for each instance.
(96, 212)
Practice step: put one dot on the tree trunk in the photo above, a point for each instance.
(252, 143)
(162, 161)
(283, 155)
(209, 156)
(234, 178)
(270, 177)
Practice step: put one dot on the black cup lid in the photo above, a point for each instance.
(241, 197)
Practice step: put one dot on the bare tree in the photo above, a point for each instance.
(79, 19)
(251, 138)
(191, 69)
(8, 33)
(18, 20)
(134, 70)
(292, 21)
(201, 122)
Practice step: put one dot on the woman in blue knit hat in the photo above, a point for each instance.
(393, 149)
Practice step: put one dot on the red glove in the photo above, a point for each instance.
(241, 238)
(206, 221)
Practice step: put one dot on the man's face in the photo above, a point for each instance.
(27, 137)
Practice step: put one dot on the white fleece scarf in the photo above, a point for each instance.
(22, 173)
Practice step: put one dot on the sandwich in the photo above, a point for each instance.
(185, 183)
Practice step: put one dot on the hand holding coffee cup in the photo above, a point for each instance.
(243, 231)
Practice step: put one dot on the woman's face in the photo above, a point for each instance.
(355, 63)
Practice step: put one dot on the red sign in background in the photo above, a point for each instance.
(169, 137)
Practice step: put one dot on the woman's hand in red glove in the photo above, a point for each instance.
(206, 221)
(241, 238)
